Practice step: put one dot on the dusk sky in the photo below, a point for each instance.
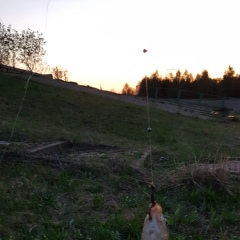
(100, 42)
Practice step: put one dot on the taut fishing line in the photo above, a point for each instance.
(149, 129)
(46, 22)
(16, 119)
(23, 98)
(154, 227)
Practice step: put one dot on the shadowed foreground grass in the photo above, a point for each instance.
(102, 196)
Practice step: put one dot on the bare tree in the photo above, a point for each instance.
(43, 67)
(25, 48)
(31, 49)
(60, 73)
(127, 90)
(14, 47)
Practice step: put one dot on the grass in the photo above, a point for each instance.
(99, 195)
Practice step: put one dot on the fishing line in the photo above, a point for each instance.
(46, 22)
(16, 119)
(149, 129)
(24, 95)
(154, 226)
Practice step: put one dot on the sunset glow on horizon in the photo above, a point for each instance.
(101, 43)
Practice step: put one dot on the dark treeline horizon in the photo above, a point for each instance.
(187, 86)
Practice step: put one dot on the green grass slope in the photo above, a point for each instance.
(102, 196)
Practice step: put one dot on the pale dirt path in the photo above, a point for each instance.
(163, 105)
(185, 108)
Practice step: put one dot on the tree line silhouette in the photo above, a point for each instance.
(186, 86)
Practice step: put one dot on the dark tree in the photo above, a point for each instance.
(228, 83)
(127, 90)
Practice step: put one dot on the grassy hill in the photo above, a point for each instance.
(103, 194)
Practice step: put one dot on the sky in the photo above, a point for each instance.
(101, 42)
